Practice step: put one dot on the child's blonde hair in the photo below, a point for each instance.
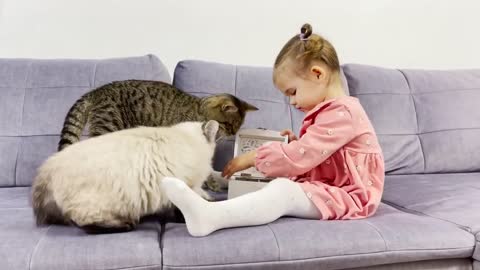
(306, 47)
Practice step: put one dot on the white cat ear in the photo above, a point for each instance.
(229, 108)
(210, 130)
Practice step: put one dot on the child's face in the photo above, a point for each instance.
(305, 92)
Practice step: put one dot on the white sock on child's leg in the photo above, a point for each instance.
(192, 206)
(280, 197)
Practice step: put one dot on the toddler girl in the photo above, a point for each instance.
(334, 170)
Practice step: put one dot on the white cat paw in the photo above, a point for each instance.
(217, 177)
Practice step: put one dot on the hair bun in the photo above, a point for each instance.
(305, 31)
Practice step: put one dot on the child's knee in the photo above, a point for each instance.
(283, 183)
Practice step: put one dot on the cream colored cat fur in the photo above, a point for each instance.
(111, 181)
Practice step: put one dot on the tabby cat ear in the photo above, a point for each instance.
(210, 130)
(229, 108)
(248, 107)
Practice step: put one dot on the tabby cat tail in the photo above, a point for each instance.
(74, 123)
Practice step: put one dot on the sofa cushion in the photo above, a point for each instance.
(24, 246)
(15, 197)
(36, 95)
(252, 84)
(451, 197)
(391, 236)
(427, 121)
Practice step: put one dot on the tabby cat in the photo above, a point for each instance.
(107, 183)
(131, 103)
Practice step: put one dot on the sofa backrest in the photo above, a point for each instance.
(36, 95)
(252, 84)
(428, 121)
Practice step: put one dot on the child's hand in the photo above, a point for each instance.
(239, 163)
(291, 135)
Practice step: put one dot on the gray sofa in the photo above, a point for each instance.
(428, 123)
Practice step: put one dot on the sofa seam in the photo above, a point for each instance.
(94, 75)
(378, 94)
(37, 245)
(423, 153)
(408, 174)
(428, 132)
(291, 117)
(235, 82)
(416, 118)
(268, 101)
(57, 87)
(178, 66)
(380, 134)
(418, 213)
(419, 93)
(394, 174)
(257, 99)
(134, 267)
(163, 227)
(379, 233)
(316, 258)
(152, 76)
(20, 143)
(276, 241)
(352, 94)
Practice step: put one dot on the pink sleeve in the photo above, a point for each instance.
(332, 129)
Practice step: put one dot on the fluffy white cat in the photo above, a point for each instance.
(111, 181)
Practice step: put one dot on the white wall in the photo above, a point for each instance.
(410, 33)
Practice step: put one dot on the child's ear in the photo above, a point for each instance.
(318, 72)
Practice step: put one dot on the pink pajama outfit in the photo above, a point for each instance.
(337, 160)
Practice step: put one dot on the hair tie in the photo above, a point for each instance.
(302, 37)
